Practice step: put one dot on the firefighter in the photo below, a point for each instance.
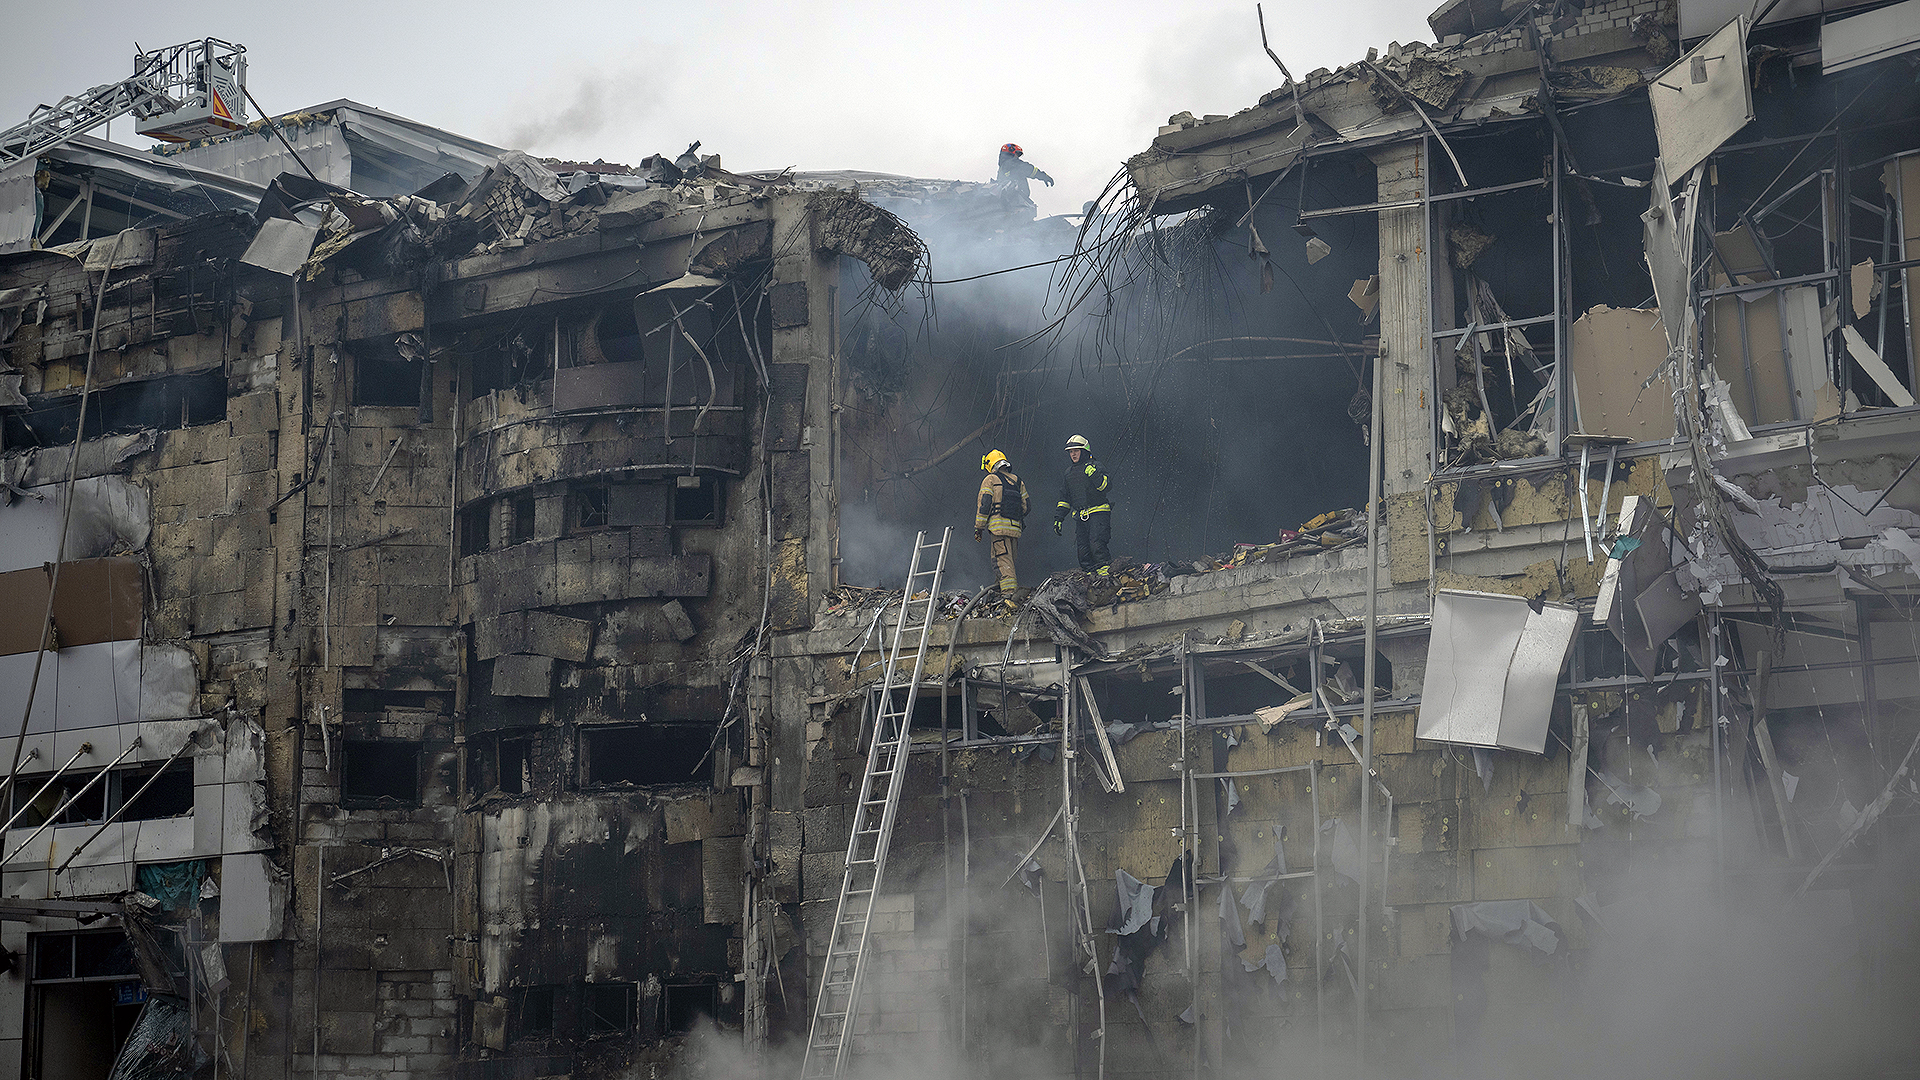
(1015, 172)
(1002, 508)
(1088, 496)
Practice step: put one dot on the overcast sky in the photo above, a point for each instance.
(920, 89)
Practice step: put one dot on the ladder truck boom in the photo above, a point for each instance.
(176, 94)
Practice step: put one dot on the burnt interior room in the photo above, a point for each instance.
(1219, 376)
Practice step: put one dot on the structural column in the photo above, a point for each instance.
(1406, 321)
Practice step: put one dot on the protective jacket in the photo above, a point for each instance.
(1016, 171)
(1085, 491)
(1003, 503)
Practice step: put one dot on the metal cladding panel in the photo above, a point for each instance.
(1493, 662)
(1527, 705)
(1703, 100)
(281, 246)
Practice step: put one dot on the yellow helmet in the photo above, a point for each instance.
(992, 461)
(1079, 442)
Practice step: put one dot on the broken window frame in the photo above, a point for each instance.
(1441, 342)
(543, 1002)
(121, 785)
(589, 507)
(705, 989)
(594, 1020)
(488, 760)
(707, 483)
(591, 779)
(378, 378)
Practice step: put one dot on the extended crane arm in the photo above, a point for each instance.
(175, 94)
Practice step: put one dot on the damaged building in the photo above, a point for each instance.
(489, 617)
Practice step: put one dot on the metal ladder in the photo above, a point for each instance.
(839, 996)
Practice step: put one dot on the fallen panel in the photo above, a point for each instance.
(282, 245)
(1875, 35)
(1703, 99)
(1492, 664)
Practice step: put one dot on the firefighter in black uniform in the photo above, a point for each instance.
(1088, 496)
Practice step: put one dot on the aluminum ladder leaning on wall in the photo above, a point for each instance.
(838, 999)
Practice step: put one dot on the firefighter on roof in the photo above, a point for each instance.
(1088, 496)
(1002, 507)
(1015, 171)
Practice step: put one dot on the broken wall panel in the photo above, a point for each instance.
(98, 600)
(1611, 353)
(1492, 664)
(110, 514)
(1769, 349)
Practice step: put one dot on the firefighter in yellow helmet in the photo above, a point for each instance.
(1002, 507)
(1087, 495)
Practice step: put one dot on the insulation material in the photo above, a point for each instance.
(523, 676)
(558, 636)
(98, 600)
(1875, 35)
(1612, 352)
(1492, 663)
(723, 862)
(701, 817)
(253, 900)
(111, 515)
(1703, 99)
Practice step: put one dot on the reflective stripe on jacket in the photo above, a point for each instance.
(998, 512)
(1086, 490)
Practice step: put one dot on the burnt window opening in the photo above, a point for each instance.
(530, 1013)
(170, 793)
(591, 506)
(696, 500)
(500, 763)
(170, 796)
(684, 1005)
(376, 702)
(87, 956)
(645, 755)
(376, 773)
(521, 510)
(607, 1008)
(175, 401)
(68, 800)
(382, 376)
(476, 530)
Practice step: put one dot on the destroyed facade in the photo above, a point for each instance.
(464, 662)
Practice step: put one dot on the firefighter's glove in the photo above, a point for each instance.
(976, 535)
(1057, 523)
(1044, 178)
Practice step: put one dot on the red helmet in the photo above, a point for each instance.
(1012, 148)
